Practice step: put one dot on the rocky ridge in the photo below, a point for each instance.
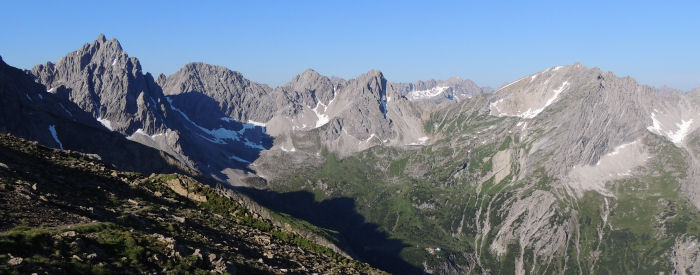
(65, 212)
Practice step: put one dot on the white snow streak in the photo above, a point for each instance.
(52, 129)
(238, 159)
(261, 124)
(506, 86)
(105, 122)
(530, 113)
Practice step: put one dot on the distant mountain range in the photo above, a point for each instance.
(570, 169)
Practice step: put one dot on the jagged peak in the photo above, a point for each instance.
(102, 41)
(375, 73)
(308, 73)
(455, 78)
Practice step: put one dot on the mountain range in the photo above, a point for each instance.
(570, 169)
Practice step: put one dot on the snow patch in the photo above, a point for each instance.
(321, 119)
(27, 95)
(369, 138)
(140, 131)
(252, 144)
(66, 110)
(424, 94)
(114, 62)
(261, 124)
(655, 125)
(683, 129)
(676, 135)
(51, 90)
(220, 134)
(530, 113)
(106, 123)
(40, 96)
(52, 130)
(421, 141)
(238, 159)
(288, 150)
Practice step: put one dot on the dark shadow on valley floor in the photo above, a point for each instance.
(364, 239)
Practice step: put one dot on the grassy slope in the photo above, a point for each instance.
(421, 195)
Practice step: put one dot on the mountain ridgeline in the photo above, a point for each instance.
(567, 170)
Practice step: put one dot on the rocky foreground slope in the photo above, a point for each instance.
(64, 212)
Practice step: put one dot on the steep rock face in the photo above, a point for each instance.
(105, 82)
(32, 112)
(238, 97)
(350, 115)
(303, 103)
(346, 116)
(579, 118)
(188, 124)
(601, 112)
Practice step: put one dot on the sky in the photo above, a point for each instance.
(490, 42)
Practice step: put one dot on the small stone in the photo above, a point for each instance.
(179, 219)
(114, 174)
(92, 256)
(158, 194)
(197, 253)
(77, 258)
(260, 260)
(34, 187)
(69, 234)
(212, 257)
(15, 261)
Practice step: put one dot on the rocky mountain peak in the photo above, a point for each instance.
(104, 81)
(237, 97)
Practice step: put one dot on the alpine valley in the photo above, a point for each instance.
(568, 170)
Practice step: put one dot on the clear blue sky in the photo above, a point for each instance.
(490, 42)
